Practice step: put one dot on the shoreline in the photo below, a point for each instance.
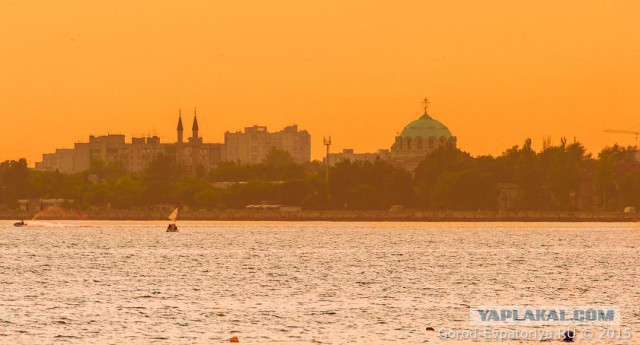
(331, 215)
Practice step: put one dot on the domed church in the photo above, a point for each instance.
(419, 138)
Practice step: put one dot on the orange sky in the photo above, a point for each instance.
(496, 72)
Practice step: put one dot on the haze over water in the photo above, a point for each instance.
(130, 282)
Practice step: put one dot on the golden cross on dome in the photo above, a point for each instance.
(426, 102)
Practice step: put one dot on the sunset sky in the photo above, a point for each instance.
(496, 72)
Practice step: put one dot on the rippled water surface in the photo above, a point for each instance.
(131, 282)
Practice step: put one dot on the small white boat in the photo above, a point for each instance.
(172, 217)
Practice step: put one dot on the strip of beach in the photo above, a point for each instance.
(330, 215)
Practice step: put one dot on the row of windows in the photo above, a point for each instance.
(419, 143)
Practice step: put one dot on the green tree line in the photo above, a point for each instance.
(560, 177)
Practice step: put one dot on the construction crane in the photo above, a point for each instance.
(624, 132)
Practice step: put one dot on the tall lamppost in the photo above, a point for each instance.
(327, 143)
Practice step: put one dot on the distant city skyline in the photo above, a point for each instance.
(193, 155)
(496, 72)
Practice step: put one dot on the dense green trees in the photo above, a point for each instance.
(369, 186)
(14, 178)
(562, 177)
(616, 177)
(452, 179)
(277, 166)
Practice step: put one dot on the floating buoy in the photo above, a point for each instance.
(234, 340)
(430, 329)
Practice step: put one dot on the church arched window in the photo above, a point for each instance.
(419, 143)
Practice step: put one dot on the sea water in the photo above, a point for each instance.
(102, 282)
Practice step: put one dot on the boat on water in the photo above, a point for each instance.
(172, 217)
(20, 223)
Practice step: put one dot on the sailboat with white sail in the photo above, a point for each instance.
(172, 217)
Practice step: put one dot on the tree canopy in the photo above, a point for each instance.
(559, 177)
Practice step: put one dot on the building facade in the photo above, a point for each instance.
(253, 145)
(350, 155)
(418, 139)
(192, 154)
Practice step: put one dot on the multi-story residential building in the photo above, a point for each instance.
(350, 155)
(253, 145)
(192, 155)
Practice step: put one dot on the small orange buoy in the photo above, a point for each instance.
(234, 340)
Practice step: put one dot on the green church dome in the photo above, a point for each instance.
(425, 127)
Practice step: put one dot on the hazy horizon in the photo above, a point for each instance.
(495, 72)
